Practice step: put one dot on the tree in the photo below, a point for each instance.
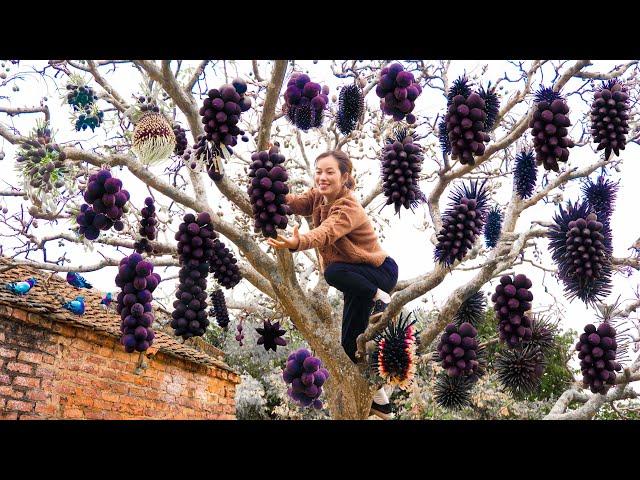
(278, 275)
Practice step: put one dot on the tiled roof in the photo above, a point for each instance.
(44, 299)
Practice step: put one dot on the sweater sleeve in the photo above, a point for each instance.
(344, 216)
(300, 204)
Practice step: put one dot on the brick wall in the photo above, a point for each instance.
(54, 370)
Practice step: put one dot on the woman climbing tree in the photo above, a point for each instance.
(350, 254)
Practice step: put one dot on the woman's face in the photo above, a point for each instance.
(328, 178)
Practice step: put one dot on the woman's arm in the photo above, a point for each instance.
(301, 204)
(344, 216)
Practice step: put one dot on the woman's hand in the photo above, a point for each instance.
(286, 242)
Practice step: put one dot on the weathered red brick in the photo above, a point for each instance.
(44, 371)
(20, 406)
(30, 382)
(20, 367)
(4, 415)
(37, 395)
(31, 357)
(7, 352)
(20, 314)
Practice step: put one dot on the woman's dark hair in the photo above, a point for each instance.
(344, 164)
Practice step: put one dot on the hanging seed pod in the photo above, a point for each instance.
(350, 108)
(398, 91)
(520, 369)
(512, 299)
(271, 335)
(219, 308)
(549, 128)
(306, 376)
(395, 356)
(492, 106)
(543, 333)
(472, 310)
(153, 139)
(578, 247)
(462, 222)
(524, 174)
(137, 282)
(458, 350)
(224, 265)
(305, 101)
(400, 169)
(597, 349)
(147, 227)
(181, 139)
(610, 117)
(492, 227)
(453, 393)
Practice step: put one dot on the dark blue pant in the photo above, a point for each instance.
(359, 282)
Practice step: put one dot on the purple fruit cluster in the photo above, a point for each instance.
(138, 281)
(195, 248)
(224, 266)
(221, 111)
(107, 199)
(465, 121)
(147, 227)
(458, 350)
(401, 167)
(597, 353)
(512, 299)
(267, 191)
(398, 91)
(305, 101)
(219, 308)
(306, 376)
(181, 139)
(610, 117)
(239, 336)
(549, 128)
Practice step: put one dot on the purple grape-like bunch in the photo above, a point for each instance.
(195, 248)
(610, 117)
(137, 282)
(239, 336)
(306, 376)
(221, 111)
(401, 167)
(181, 139)
(597, 353)
(267, 191)
(512, 299)
(549, 129)
(398, 91)
(458, 350)
(466, 120)
(219, 308)
(107, 199)
(224, 266)
(147, 227)
(305, 101)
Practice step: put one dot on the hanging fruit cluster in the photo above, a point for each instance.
(458, 350)
(398, 92)
(524, 174)
(224, 266)
(609, 117)
(597, 353)
(195, 249)
(492, 106)
(465, 121)
(472, 310)
(267, 191)
(350, 108)
(305, 101)
(271, 335)
(512, 299)
(461, 223)
(181, 139)
(221, 111)
(453, 393)
(395, 356)
(80, 96)
(45, 172)
(401, 167)
(492, 227)
(549, 129)
(219, 308)
(91, 117)
(239, 336)
(578, 247)
(107, 198)
(306, 375)
(137, 282)
(520, 369)
(153, 138)
(147, 227)
(601, 198)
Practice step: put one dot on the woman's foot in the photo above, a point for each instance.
(382, 411)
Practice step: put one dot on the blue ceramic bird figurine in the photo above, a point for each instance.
(21, 288)
(75, 306)
(106, 301)
(77, 280)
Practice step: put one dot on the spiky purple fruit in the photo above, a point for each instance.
(453, 393)
(543, 333)
(524, 174)
(492, 106)
(520, 369)
(395, 356)
(610, 117)
(462, 222)
(472, 310)
(492, 227)
(549, 129)
(305, 102)
(512, 299)
(271, 335)
(350, 108)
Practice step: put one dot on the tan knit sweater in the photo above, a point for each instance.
(342, 230)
